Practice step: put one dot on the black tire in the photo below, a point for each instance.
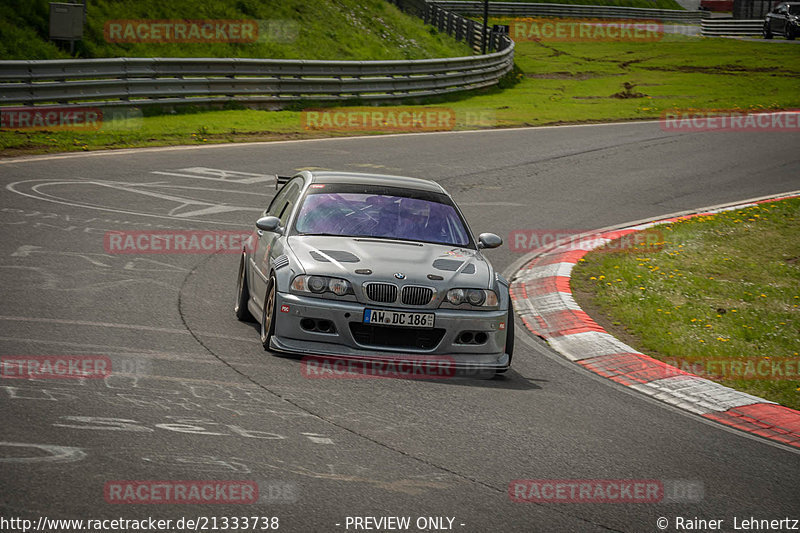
(788, 31)
(509, 337)
(268, 314)
(766, 32)
(242, 294)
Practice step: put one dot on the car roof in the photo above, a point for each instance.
(375, 179)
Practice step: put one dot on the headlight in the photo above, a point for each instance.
(322, 284)
(317, 284)
(455, 296)
(339, 287)
(474, 297)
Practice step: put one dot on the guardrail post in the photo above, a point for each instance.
(485, 26)
(127, 96)
(471, 34)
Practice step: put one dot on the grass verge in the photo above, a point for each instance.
(654, 4)
(720, 299)
(289, 29)
(559, 83)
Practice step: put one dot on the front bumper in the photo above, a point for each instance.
(290, 336)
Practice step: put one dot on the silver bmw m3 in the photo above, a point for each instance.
(366, 266)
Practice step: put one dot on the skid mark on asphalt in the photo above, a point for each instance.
(198, 463)
(55, 454)
(123, 326)
(318, 439)
(411, 486)
(214, 174)
(196, 404)
(67, 270)
(159, 393)
(33, 189)
(166, 185)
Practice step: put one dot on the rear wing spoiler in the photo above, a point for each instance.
(281, 180)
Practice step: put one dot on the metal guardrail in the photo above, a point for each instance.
(516, 9)
(446, 20)
(726, 26)
(142, 81)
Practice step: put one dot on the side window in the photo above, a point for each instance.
(277, 200)
(290, 202)
(276, 207)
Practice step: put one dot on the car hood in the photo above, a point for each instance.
(343, 256)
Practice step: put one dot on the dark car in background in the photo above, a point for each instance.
(784, 20)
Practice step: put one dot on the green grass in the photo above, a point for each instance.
(323, 29)
(724, 287)
(559, 82)
(654, 4)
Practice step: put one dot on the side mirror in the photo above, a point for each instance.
(489, 240)
(271, 224)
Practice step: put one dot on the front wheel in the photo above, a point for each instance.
(268, 314)
(766, 32)
(789, 32)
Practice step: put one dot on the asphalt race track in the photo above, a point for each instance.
(197, 398)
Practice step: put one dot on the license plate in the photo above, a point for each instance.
(398, 318)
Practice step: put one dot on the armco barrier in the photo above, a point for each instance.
(142, 81)
(727, 26)
(515, 9)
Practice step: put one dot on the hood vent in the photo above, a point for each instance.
(451, 265)
(337, 255)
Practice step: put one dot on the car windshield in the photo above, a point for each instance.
(385, 212)
(794, 10)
